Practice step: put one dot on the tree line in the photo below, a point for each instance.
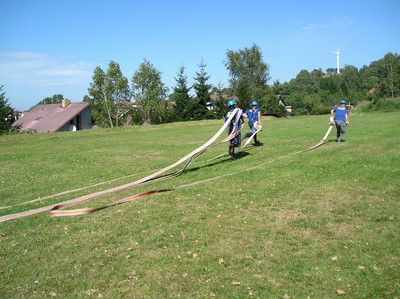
(316, 92)
(145, 99)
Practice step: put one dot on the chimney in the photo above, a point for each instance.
(65, 103)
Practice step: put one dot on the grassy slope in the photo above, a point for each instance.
(304, 224)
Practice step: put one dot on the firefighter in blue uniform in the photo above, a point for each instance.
(233, 125)
(254, 116)
(341, 119)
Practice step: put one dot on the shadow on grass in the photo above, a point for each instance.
(331, 140)
(334, 140)
(238, 155)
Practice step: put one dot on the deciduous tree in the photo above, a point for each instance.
(249, 73)
(389, 70)
(149, 93)
(55, 99)
(108, 92)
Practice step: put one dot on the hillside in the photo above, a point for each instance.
(278, 222)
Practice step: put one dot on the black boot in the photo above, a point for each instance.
(255, 140)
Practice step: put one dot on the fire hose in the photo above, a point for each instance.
(56, 209)
(154, 176)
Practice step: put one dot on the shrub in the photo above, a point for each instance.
(301, 111)
(320, 110)
(387, 105)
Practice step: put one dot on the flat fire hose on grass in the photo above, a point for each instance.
(229, 137)
(331, 124)
(56, 209)
(155, 176)
(56, 212)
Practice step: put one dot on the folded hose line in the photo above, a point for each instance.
(194, 154)
(324, 138)
(56, 209)
(73, 190)
(250, 138)
(56, 212)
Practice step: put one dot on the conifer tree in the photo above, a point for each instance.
(6, 113)
(181, 96)
(202, 92)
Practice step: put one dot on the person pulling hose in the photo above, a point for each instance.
(341, 119)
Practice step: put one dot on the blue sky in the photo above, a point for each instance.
(52, 47)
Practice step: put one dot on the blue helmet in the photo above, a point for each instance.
(231, 103)
(254, 103)
(342, 102)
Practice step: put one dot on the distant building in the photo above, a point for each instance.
(284, 104)
(18, 114)
(374, 90)
(216, 97)
(65, 116)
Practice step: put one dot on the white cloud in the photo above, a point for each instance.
(338, 22)
(41, 70)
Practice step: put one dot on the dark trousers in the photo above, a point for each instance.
(340, 127)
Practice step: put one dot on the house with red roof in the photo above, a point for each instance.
(64, 116)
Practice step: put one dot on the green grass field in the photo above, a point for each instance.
(275, 223)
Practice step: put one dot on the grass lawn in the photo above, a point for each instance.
(275, 223)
